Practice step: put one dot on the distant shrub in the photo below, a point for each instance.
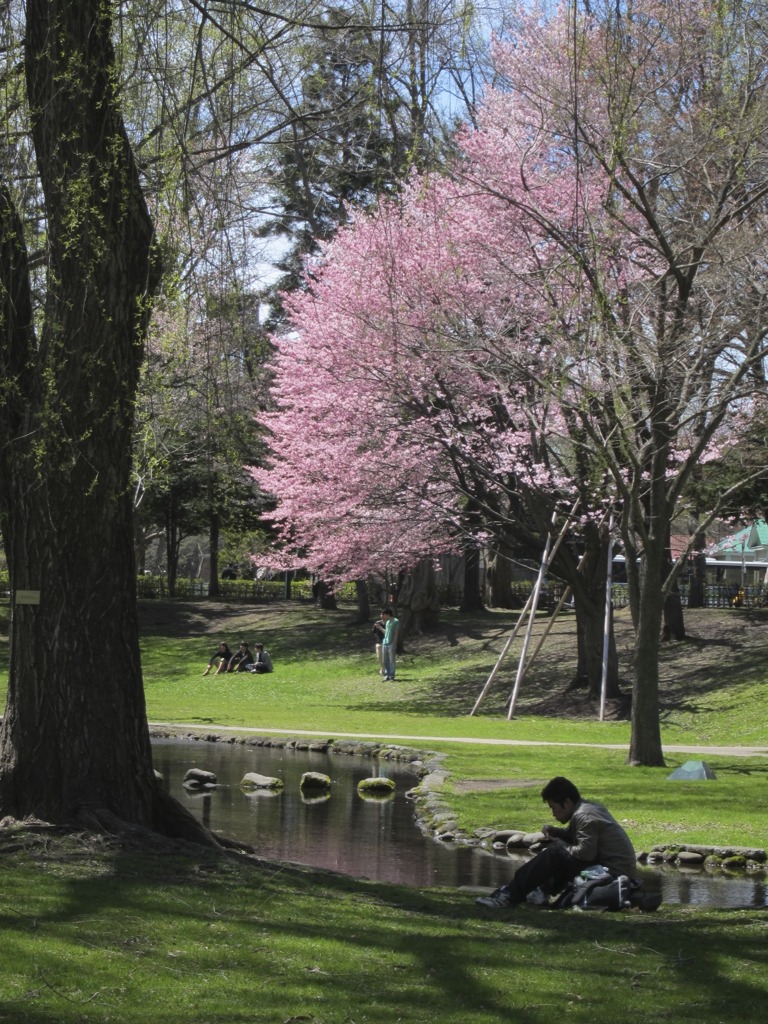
(155, 587)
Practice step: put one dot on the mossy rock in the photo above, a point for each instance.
(377, 784)
(252, 780)
(376, 796)
(735, 863)
(197, 777)
(315, 780)
(690, 858)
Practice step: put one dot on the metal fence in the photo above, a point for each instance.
(716, 595)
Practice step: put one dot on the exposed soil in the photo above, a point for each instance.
(720, 643)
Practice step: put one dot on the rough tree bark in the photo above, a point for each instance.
(324, 596)
(697, 591)
(585, 570)
(499, 578)
(590, 626)
(214, 523)
(471, 596)
(363, 602)
(645, 745)
(418, 600)
(74, 745)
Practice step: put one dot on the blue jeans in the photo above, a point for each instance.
(388, 653)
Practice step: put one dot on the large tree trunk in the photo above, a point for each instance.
(645, 743)
(586, 571)
(471, 597)
(590, 630)
(674, 620)
(697, 591)
(214, 589)
(74, 743)
(418, 600)
(363, 602)
(324, 596)
(172, 540)
(498, 579)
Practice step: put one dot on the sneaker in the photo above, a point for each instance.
(498, 900)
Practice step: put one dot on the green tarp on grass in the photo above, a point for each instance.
(693, 770)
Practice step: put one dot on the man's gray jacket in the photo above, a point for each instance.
(594, 836)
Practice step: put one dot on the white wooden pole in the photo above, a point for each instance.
(607, 623)
(527, 637)
(550, 550)
(503, 654)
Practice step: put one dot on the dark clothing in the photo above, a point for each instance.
(220, 652)
(551, 870)
(592, 836)
(241, 661)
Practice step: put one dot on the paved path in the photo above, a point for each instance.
(676, 748)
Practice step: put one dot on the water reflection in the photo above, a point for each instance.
(368, 838)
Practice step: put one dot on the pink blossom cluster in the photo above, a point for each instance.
(499, 336)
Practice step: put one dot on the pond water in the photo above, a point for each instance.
(375, 839)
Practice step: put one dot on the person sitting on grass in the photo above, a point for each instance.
(262, 661)
(592, 836)
(223, 655)
(242, 659)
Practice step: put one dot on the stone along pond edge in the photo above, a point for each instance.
(436, 819)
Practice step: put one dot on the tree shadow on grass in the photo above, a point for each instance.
(684, 684)
(318, 939)
(300, 626)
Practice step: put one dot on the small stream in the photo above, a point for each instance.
(374, 839)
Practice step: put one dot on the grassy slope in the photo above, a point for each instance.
(95, 933)
(714, 692)
(326, 677)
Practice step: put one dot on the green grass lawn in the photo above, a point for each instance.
(119, 936)
(326, 679)
(96, 932)
(715, 691)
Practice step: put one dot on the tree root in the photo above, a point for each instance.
(173, 828)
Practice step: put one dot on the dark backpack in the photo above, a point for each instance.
(607, 892)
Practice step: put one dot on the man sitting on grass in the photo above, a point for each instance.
(592, 836)
(261, 661)
(241, 660)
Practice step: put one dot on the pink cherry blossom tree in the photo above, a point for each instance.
(651, 119)
(573, 317)
(396, 435)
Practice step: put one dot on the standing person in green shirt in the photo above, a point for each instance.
(389, 642)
